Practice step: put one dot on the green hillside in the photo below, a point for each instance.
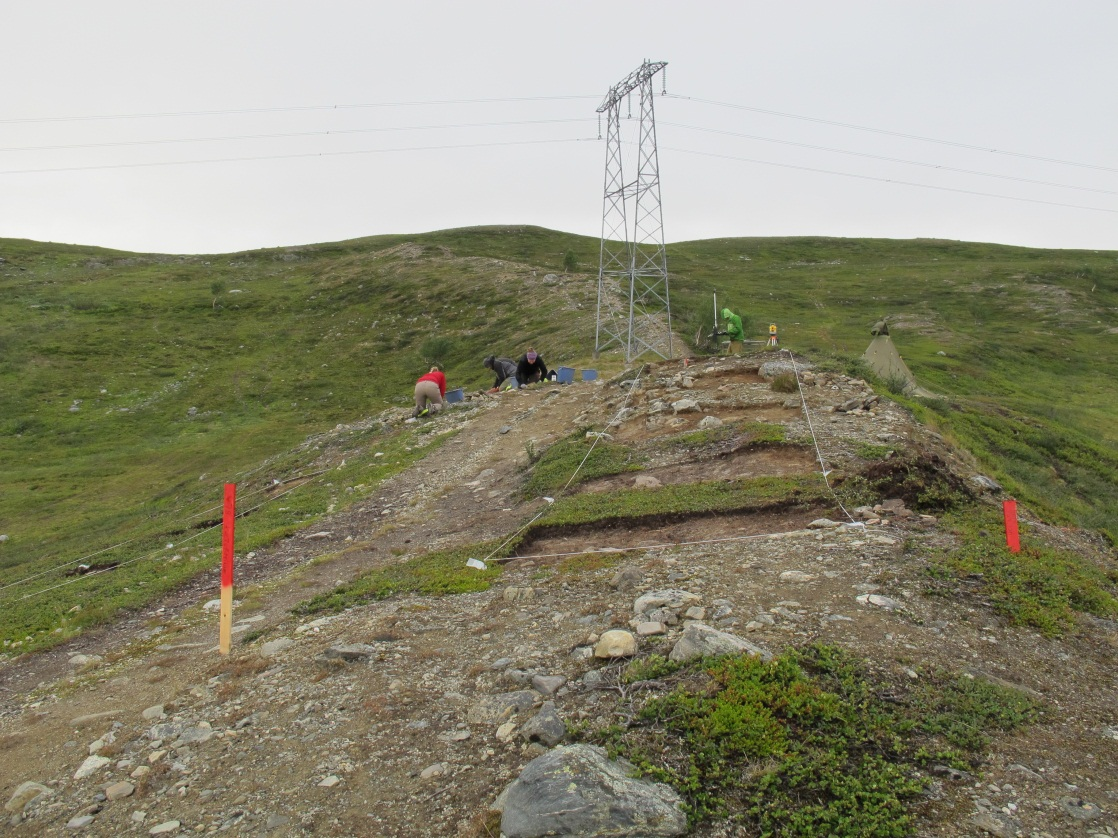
(132, 385)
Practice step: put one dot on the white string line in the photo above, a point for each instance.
(814, 439)
(157, 552)
(597, 438)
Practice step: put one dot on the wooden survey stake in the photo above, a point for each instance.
(225, 633)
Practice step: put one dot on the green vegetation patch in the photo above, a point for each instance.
(438, 573)
(690, 499)
(925, 482)
(1040, 586)
(745, 434)
(560, 461)
(804, 745)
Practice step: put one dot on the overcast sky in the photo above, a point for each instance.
(985, 87)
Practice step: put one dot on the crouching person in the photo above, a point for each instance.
(530, 368)
(505, 370)
(430, 390)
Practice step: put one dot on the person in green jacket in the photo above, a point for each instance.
(733, 331)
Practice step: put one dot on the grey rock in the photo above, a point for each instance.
(701, 640)
(80, 822)
(548, 684)
(646, 481)
(595, 679)
(796, 576)
(575, 790)
(661, 615)
(1022, 769)
(91, 766)
(436, 770)
(650, 629)
(669, 598)
(627, 578)
(118, 790)
(685, 406)
(1080, 809)
(195, 735)
(504, 429)
(771, 369)
(154, 712)
(167, 730)
(26, 794)
(519, 594)
(349, 652)
(546, 727)
(276, 821)
(165, 828)
(494, 709)
(885, 602)
(987, 483)
(516, 677)
(501, 663)
(823, 524)
(710, 422)
(274, 647)
(996, 824)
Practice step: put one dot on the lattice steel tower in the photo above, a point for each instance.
(633, 304)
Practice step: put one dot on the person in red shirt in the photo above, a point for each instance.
(429, 392)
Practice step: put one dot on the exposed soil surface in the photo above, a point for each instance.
(278, 740)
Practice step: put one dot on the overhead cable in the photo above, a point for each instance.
(889, 133)
(292, 156)
(867, 155)
(286, 109)
(888, 180)
(292, 134)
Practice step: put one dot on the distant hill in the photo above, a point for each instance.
(133, 385)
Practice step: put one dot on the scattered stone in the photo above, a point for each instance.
(26, 794)
(212, 606)
(506, 731)
(627, 578)
(499, 708)
(548, 684)
(80, 822)
(519, 594)
(436, 770)
(140, 772)
(951, 772)
(646, 481)
(274, 647)
(1080, 809)
(329, 782)
(710, 422)
(987, 483)
(796, 576)
(616, 643)
(165, 828)
(349, 652)
(650, 629)
(695, 612)
(575, 790)
(996, 824)
(195, 735)
(670, 598)
(885, 602)
(154, 713)
(823, 524)
(139, 816)
(118, 790)
(504, 429)
(1028, 772)
(685, 406)
(546, 727)
(276, 821)
(701, 640)
(91, 766)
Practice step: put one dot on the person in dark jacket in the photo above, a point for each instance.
(530, 368)
(505, 369)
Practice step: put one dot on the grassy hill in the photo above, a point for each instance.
(132, 385)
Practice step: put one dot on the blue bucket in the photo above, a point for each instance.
(589, 375)
(566, 375)
(454, 396)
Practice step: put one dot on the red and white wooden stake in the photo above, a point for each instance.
(225, 633)
(1012, 540)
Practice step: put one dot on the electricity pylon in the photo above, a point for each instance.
(634, 309)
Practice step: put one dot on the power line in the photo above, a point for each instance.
(287, 109)
(867, 155)
(888, 180)
(889, 133)
(293, 134)
(293, 156)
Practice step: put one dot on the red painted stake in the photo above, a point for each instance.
(225, 630)
(1012, 540)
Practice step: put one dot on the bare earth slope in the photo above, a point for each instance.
(283, 739)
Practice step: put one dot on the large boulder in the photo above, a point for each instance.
(700, 641)
(576, 790)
